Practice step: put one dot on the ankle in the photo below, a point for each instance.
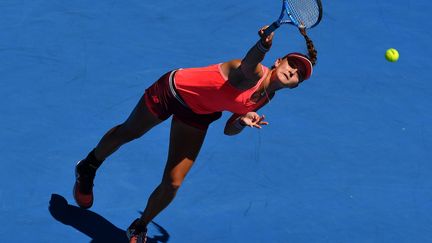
(90, 163)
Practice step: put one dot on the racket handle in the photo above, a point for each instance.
(271, 28)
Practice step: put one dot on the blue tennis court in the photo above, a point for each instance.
(346, 156)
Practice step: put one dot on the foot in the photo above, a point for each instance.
(83, 188)
(135, 234)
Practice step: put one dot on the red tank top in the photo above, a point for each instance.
(206, 90)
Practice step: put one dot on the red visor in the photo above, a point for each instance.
(307, 64)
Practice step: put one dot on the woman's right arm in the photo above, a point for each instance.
(246, 72)
(251, 63)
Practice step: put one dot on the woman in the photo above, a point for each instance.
(195, 97)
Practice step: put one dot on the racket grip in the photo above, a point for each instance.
(271, 28)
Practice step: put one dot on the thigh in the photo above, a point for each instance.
(201, 121)
(141, 119)
(185, 144)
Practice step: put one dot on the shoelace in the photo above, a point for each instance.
(141, 237)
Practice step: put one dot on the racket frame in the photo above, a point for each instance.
(291, 20)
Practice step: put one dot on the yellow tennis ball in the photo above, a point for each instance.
(392, 55)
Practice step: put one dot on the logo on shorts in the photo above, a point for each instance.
(155, 99)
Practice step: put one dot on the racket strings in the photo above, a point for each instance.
(306, 13)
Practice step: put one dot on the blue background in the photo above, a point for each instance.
(346, 157)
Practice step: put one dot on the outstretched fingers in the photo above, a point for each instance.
(259, 121)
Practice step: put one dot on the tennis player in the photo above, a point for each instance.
(195, 97)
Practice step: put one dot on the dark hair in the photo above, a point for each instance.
(312, 53)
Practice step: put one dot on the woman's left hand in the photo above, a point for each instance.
(252, 119)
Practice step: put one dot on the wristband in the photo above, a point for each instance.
(237, 124)
(261, 47)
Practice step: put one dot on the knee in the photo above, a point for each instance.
(170, 187)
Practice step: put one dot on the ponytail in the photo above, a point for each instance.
(312, 53)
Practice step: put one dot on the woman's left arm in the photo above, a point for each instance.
(236, 122)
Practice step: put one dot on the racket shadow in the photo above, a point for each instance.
(93, 225)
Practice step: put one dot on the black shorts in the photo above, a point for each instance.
(163, 101)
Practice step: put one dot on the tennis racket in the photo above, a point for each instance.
(300, 13)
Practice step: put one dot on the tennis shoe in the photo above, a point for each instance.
(83, 187)
(134, 235)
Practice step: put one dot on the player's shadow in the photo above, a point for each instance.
(93, 225)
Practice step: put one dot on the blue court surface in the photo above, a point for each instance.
(347, 156)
